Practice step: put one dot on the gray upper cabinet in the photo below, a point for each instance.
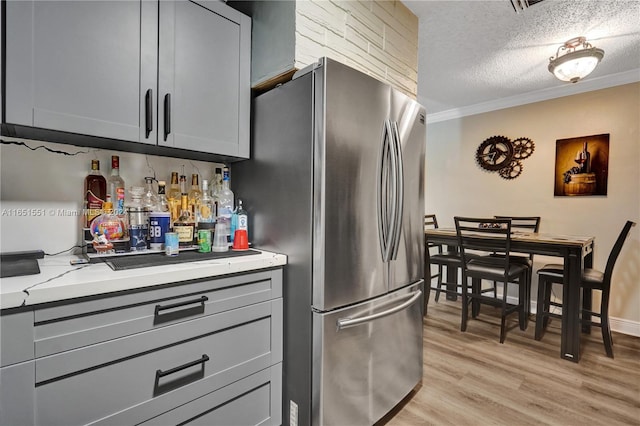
(204, 77)
(169, 73)
(74, 67)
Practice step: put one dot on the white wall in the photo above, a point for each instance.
(456, 185)
(40, 190)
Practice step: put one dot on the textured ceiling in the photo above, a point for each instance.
(477, 52)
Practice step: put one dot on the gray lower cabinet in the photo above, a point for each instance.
(16, 394)
(168, 73)
(202, 352)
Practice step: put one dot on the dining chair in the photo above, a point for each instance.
(448, 259)
(430, 222)
(524, 224)
(481, 237)
(590, 280)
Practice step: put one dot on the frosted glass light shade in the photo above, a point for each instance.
(575, 65)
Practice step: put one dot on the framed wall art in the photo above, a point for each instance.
(582, 166)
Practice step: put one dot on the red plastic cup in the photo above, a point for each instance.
(240, 240)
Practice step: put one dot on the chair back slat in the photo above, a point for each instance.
(523, 223)
(485, 235)
(430, 221)
(615, 252)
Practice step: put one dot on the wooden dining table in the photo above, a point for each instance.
(577, 253)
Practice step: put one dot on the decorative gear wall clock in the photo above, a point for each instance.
(495, 153)
(501, 154)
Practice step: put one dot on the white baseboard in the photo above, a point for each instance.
(624, 326)
(619, 325)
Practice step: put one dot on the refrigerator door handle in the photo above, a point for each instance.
(398, 201)
(392, 199)
(351, 322)
(386, 170)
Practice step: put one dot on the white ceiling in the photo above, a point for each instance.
(480, 55)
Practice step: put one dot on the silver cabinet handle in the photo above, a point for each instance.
(349, 322)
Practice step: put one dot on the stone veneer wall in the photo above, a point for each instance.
(379, 38)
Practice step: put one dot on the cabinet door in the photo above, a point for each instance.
(17, 394)
(204, 77)
(75, 66)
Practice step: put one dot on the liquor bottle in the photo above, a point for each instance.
(195, 194)
(159, 220)
(149, 198)
(216, 187)
(243, 217)
(163, 203)
(225, 202)
(206, 212)
(116, 186)
(183, 185)
(95, 193)
(173, 197)
(108, 224)
(238, 220)
(184, 226)
(225, 197)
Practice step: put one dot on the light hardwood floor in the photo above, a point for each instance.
(471, 379)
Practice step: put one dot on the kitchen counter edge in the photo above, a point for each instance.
(59, 280)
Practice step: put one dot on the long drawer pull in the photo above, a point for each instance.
(159, 308)
(160, 373)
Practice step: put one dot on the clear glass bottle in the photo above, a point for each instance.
(149, 198)
(238, 220)
(173, 197)
(138, 220)
(243, 217)
(163, 203)
(185, 225)
(195, 194)
(116, 187)
(225, 202)
(216, 185)
(108, 224)
(206, 212)
(225, 197)
(183, 186)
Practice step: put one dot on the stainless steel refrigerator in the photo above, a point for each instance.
(336, 183)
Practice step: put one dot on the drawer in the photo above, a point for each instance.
(254, 400)
(65, 327)
(150, 373)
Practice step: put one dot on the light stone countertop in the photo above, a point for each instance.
(59, 280)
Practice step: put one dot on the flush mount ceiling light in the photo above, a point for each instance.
(575, 60)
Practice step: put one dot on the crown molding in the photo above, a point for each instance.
(583, 86)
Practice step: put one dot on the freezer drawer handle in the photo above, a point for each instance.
(159, 308)
(160, 373)
(348, 322)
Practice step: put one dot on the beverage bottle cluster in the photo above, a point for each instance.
(143, 221)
